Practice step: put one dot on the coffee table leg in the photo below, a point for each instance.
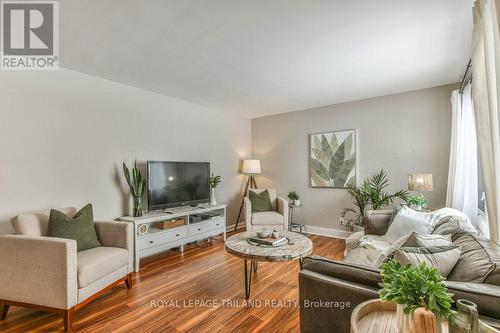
(248, 277)
(255, 264)
(300, 263)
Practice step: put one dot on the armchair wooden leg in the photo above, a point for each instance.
(68, 320)
(4, 308)
(128, 280)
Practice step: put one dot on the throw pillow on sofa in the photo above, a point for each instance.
(479, 261)
(464, 224)
(444, 258)
(407, 221)
(416, 240)
(79, 227)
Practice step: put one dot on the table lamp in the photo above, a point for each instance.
(420, 182)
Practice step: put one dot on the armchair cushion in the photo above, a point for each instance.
(267, 218)
(37, 224)
(80, 227)
(261, 202)
(273, 196)
(95, 263)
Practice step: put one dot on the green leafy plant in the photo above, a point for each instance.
(418, 200)
(214, 181)
(292, 195)
(137, 183)
(414, 287)
(371, 195)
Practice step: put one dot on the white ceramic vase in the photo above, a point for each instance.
(296, 202)
(213, 201)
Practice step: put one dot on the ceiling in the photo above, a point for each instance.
(262, 57)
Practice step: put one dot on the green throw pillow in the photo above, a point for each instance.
(80, 227)
(261, 202)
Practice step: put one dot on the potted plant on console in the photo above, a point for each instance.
(137, 183)
(214, 181)
(420, 294)
(418, 201)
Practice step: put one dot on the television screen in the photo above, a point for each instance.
(172, 184)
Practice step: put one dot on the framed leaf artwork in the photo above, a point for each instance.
(333, 159)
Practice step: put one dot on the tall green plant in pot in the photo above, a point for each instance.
(371, 195)
(137, 184)
(213, 181)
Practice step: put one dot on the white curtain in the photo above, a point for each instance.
(462, 191)
(486, 93)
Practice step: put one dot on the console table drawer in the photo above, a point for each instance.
(161, 238)
(199, 228)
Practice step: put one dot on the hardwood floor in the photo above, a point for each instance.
(174, 281)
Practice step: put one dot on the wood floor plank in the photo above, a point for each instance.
(203, 273)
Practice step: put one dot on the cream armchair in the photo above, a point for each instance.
(48, 273)
(277, 219)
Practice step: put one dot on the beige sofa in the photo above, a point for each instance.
(275, 220)
(48, 273)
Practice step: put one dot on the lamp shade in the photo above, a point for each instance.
(251, 167)
(421, 182)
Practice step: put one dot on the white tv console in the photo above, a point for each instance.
(158, 240)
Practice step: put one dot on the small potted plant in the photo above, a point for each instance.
(294, 198)
(420, 294)
(418, 201)
(214, 181)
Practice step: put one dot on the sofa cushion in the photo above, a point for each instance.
(448, 225)
(376, 222)
(407, 221)
(95, 263)
(260, 201)
(443, 258)
(36, 224)
(465, 224)
(416, 240)
(375, 242)
(479, 261)
(353, 240)
(79, 227)
(365, 257)
(267, 218)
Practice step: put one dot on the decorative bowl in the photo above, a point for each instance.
(263, 233)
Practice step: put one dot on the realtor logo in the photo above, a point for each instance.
(29, 35)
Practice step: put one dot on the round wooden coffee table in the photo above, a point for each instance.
(298, 247)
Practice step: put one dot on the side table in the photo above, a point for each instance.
(298, 223)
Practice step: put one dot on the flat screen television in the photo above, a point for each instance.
(172, 184)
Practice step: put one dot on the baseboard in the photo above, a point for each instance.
(329, 232)
(241, 225)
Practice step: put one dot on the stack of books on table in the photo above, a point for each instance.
(269, 241)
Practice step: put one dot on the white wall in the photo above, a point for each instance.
(403, 133)
(64, 135)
